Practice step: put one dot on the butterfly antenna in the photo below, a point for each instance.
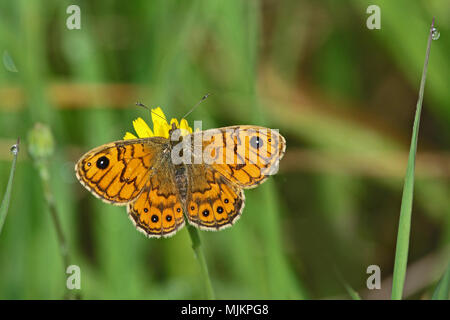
(144, 106)
(196, 105)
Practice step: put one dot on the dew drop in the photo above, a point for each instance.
(435, 34)
(14, 149)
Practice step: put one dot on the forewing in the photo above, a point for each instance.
(244, 155)
(117, 172)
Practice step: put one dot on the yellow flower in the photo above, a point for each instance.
(160, 126)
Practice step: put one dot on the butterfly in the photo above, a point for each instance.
(197, 177)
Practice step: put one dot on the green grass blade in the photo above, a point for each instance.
(442, 288)
(6, 198)
(196, 246)
(404, 227)
(351, 292)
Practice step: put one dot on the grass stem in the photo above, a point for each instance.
(404, 226)
(6, 198)
(41, 148)
(196, 246)
(443, 287)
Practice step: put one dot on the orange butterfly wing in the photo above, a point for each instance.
(213, 202)
(233, 158)
(158, 211)
(117, 172)
(244, 155)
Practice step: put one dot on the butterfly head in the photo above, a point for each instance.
(175, 134)
(173, 128)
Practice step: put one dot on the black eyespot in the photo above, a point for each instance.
(169, 218)
(192, 208)
(219, 209)
(155, 218)
(256, 142)
(205, 212)
(145, 210)
(178, 210)
(102, 162)
(226, 200)
(88, 164)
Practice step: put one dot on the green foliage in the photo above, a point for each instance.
(7, 196)
(404, 225)
(443, 287)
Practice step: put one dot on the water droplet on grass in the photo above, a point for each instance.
(435, 34)
(14, 149)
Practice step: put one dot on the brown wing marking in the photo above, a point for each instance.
(213, 203)
(117, 172)
(158, 211)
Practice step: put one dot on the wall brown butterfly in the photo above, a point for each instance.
(161, 194)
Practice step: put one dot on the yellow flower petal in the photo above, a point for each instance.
(185, 126)
(160, 125)
(142, 129)
(129, 136)
(173, 120)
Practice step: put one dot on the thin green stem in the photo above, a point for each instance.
(443, 286)
(197, 247)
(5, 202)
(404, 226)
(41, 148)
(351, 292)
(49, 198)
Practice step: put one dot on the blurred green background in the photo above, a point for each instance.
(343, 96)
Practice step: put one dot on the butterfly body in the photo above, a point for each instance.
(197, 178)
